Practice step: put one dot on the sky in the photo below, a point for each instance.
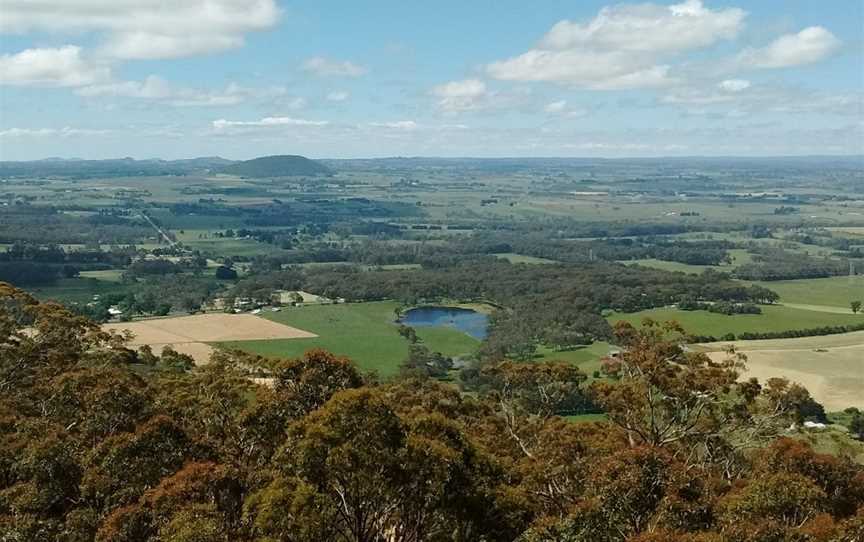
(484, 78)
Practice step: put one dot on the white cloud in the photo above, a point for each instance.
(155, 88)
(473, 95)
(223, 124)
(648, 27)
(151, 88)
(810, 45)
(146, 46)
(560, 108)
(338, 96)
(50, 132)
(326, 67)
(734, 85)
(138, 29)
(622, 47)
(556, 107)
(63, 66)
(465, 95)
(738, 98)
(587, 69)
(396, 125)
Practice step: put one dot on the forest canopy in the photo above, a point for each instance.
(101, 442)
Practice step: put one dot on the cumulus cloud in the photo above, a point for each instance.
(326, 67)
(63, 67)
(396, 125)
(733, 85)
(560, 108)
(146, 29)
(338, 96)
(622, 47)
(155, 88)
(648, 27)
(810, 45)
(463, 95)
(266, 122)
(733, 98)
(556, 107)
(473, 95)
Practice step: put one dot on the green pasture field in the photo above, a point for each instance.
(830, 292)
(739, 256)
(673, 266)
(231, 247)
(773, 318)
(519, 258)
(364, 332)
(108, 275)
(587, 358)
(77, 290)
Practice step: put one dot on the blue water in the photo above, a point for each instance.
(465, 320)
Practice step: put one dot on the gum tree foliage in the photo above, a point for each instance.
(101, 443)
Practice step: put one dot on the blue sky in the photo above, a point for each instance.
(242, 78)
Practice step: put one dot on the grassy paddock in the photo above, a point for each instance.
(773, 318)
(77, 290)
(832, 292)
(108, 275)
(365, 332)
(519, 258)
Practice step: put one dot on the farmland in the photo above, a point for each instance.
(773, 319)
(363, 331)
(176, 244)
(191, 334)
(833, 292)
(830, 367)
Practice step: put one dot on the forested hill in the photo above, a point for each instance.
(277, 166)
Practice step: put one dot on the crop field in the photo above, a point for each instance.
(831, 367)
(773, 318)
(190, 334)
(365, 332)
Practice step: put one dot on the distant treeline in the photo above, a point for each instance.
(788, 334)
(440, 253)
(48, 225)
(32, 265)
(778, 264)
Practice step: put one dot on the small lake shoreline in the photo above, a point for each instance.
(465, 318)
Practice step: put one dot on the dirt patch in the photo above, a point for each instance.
(188, 334)
(830, 367)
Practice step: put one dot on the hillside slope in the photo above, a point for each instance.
(277, 166)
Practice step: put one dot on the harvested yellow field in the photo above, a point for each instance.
(831, 367)
(189, 334)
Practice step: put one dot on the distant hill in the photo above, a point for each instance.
(277, 166)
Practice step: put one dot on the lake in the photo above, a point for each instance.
(465, 320)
